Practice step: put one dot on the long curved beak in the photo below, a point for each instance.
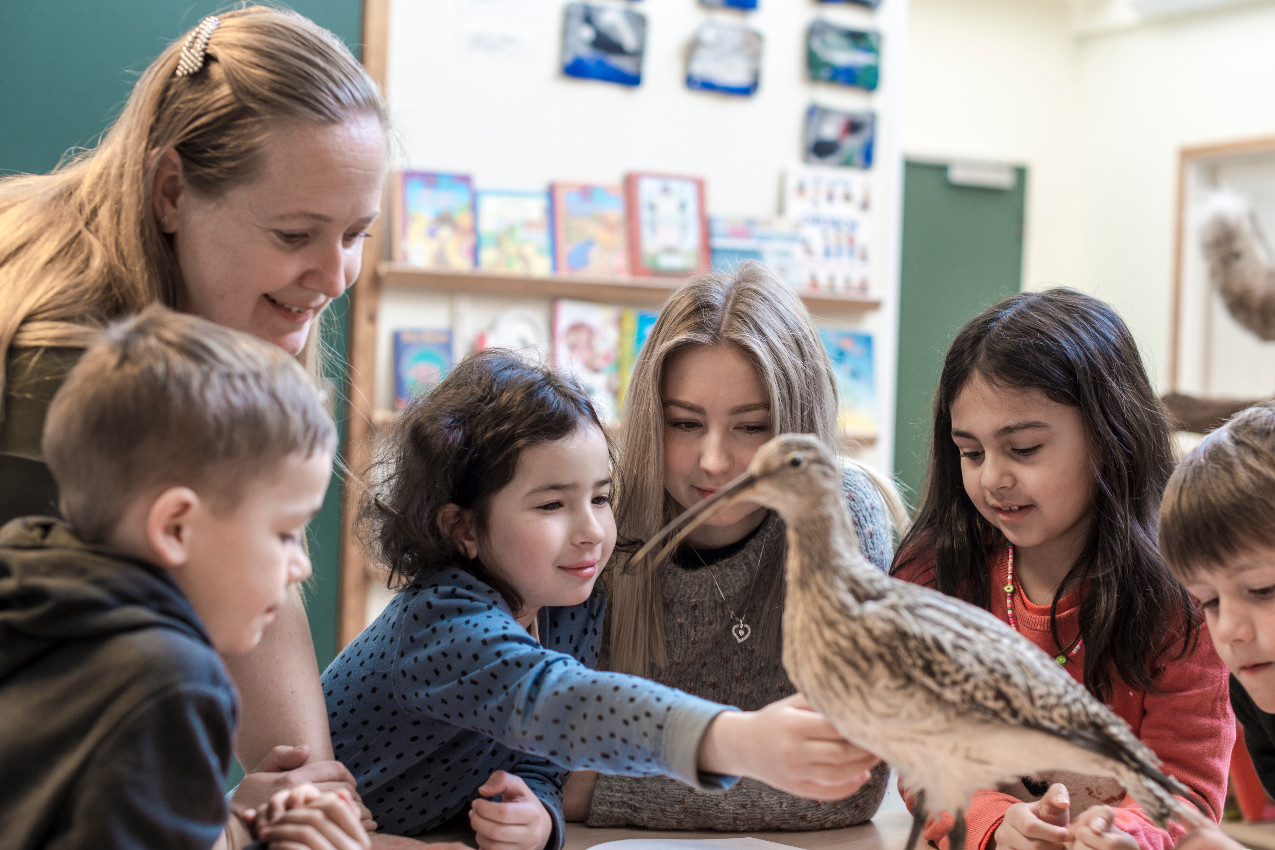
(668, 537)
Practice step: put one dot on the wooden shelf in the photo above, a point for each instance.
(641, 290)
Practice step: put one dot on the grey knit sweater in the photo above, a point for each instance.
(705, 659)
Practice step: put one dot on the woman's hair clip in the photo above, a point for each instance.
(196, 47)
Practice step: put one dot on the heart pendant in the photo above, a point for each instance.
(741, 631)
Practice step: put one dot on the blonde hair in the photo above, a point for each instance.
(165, 399)
(81, 246)
(751, 308)
(1220, 500)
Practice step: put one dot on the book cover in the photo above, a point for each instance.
(603, 43)
(589, 225)
(852, 363)
(586, 343)
(520, 329)
(837, 137)
(775, 243)
(435, 226)
(850, 57)
(422, 357)
(668, 224)
(513, 232)
(725, 58)
(635, 325)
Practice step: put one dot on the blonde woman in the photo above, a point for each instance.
(733, 360)
(237, 184)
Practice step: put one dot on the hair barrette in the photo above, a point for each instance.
(195, 50)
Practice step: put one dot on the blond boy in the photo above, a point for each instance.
(1217, 533)
(189, 458)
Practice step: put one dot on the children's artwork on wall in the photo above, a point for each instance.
(513, 232)
(775, 243)
(668, 224)
(421, 358)
(747, 5)
(851, 57)
(725, 58)
(586, 341)
(852, 364)
(435, 226)
(836, 137)
(603, 43)
(589, 229)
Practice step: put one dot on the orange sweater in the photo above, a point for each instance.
(1188, 723)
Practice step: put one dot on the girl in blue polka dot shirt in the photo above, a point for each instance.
(472, 693)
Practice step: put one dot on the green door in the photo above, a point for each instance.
(962, 250)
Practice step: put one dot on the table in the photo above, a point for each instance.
(886, 831)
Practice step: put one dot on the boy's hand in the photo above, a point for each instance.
(789, 746)
(1041, 825)
(285, 768)
(305, 817)
(1095, 828)
(519, 822)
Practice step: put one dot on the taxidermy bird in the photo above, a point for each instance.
(950, 696)
(1239, 261)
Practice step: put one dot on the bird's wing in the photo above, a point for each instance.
(967, 658)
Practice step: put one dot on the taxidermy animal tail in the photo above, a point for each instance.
(1239, 261)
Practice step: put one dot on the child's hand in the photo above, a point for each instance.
(305, 817)
(788, 746)
(1041, 825)
(519, 822)
(1095, 828)
(284, 768)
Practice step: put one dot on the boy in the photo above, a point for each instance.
(1217, 533)
(189, 458)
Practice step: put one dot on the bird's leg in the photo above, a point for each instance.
(956, 835)
(918, 820)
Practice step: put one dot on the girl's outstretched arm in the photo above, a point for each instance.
(786, 745)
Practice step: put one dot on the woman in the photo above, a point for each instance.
(733, 360)
(237, 184)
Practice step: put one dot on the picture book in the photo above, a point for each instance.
(520, 329)
(836, 137)
(725, 58)
(513, 232)
(422, 357)
(833, 211)
(668, 224)
(586, 342)
(851, 57)
(775, 243)
(852, 363)
(589, 225)
(435, 226)
(634, 327)
(603, 43)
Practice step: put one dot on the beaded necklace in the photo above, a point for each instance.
(1063, 657)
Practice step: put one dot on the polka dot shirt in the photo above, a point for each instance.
(445, 688)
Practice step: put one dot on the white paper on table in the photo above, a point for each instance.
(745, 843)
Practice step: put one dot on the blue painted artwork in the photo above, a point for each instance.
(725, 58)
(603, 43)
(842, 55)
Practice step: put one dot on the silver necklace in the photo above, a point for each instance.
(741, 631)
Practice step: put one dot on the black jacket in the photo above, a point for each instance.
(116, 713)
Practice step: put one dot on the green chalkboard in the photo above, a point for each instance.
(66, 67)
(962, 250)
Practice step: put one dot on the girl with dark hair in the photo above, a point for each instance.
(1049, 455)
(492, 511)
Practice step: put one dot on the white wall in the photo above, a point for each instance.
(1097, 105)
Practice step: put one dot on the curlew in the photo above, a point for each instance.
(953, 698)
